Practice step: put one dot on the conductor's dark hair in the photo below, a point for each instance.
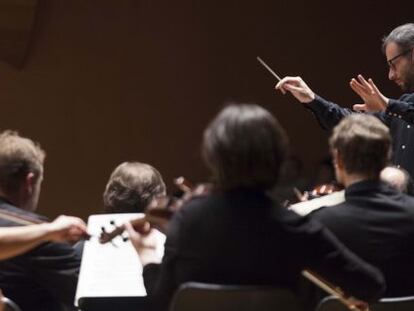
(244, 146)
(403, 36)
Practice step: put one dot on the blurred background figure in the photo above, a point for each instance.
(398, 178)
(292, 179)
(324, 173)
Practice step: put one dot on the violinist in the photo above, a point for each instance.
(376, 221)
(130, 189)
(44, 278)
(397, 114)
(234, 233)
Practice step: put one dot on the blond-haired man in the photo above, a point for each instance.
(44, 278)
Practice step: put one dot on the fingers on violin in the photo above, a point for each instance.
(140, 225)
(132, 233)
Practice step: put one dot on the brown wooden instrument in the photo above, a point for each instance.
(157, 214)
(350, 302)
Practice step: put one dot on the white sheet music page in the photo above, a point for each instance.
(304, 208)
(112, 269)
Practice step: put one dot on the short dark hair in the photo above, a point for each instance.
(245, 147)
(363, 143)
(403, 36)
(131, 188)
(18, 157)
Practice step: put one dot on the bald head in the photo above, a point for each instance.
(397, 178)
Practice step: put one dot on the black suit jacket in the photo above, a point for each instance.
(377, 223)
(241, 237)
(42, 279)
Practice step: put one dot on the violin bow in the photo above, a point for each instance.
(20, 219)
(349, 302)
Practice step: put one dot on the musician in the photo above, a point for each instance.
(44, 278)
(236, 234)
(376, 221)
(398, 178)
(397, 114)
(131, 187)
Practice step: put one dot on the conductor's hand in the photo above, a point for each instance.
(297, 87)
(66, 229)
(373, 99)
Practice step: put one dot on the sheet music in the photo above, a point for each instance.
(304, 208)
(111, 269)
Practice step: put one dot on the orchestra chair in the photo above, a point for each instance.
(331, 303)
(9, 305)
(207, 297)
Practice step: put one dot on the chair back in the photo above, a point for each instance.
(212, 297)
(385, 304)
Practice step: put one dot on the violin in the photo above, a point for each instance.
(160, 210)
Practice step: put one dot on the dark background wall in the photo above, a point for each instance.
(105, 81)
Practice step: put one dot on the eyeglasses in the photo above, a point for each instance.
(392, 60)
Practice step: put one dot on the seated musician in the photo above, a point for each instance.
(235, 234)
(398, 178)
(131, 188)
(45, 278)
(376, 221)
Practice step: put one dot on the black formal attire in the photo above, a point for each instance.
(399, 117)
(43, 279)
(377, 223)
(242, 237)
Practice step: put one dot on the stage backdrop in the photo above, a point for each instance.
(108, 81)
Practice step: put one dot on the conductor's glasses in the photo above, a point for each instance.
(391, 62)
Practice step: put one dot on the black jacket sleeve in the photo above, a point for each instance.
(327, 113)
(402, 108)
